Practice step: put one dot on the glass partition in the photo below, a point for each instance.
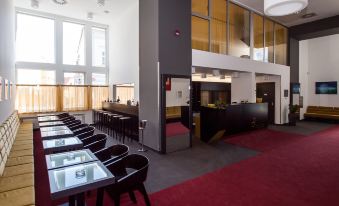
(239, 19)
(280, 44)
(200, 33)
(200, 7)
(218, 27)
(258, 37)
(177, 115)
(269, 41)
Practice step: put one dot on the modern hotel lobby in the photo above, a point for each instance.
(169, 102)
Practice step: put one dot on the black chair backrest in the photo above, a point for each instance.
(112, 153)
(93, 138)
(86, 132)
(96, 146)
(78, 128)
(68, 119)
(62, 115)
(73, 123)
(138, 163)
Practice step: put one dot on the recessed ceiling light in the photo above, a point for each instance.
(60, 2)
(309, 15)
(106, 12)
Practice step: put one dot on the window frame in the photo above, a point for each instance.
(58, 65)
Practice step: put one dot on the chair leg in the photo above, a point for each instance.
(100, 197)
(132, 196)
(143, 191)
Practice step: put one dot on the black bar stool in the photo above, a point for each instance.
(124, 126)
(116, 125)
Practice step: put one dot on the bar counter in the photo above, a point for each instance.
(219, 122)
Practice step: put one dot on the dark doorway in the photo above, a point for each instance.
(266, 93)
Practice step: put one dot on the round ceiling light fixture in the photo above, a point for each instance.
(284, 7)
(60, 2)
(35, 4)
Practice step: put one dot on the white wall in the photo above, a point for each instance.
(219, 61)
(7, 67)
(243, 87)
(318, 62)
(124, 48)
(172, 98)
(277, 83)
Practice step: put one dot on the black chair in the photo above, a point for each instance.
(96, 146)
(112, 153)
(78, 127)
(68, 119)
(73, 123)
(93, 138)
(85, 133)
(62, 115)
(130, 173)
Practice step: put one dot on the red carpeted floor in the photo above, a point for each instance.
(175, 129)
(304, 172)
(263, 140)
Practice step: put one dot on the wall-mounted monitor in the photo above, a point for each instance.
(295, 88)
(326, 87)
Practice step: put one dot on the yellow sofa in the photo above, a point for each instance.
(16, 163)
(317, 112)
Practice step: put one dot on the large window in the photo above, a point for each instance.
(239, 31)
(73, 44)
(280, 44)
(124, 92)
(224, 27)
(98, 47)
(258, 37)
(98, 79)
(35, 40)
(218, 27)
(269, 41)
(34, 76)
(71, 78)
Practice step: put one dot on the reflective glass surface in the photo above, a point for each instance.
(51, 123)
(69, 158)
(56, 133)
(49, 118)
(79, 174)
(49, 129)
(61, 142)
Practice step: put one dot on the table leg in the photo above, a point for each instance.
(100, 197)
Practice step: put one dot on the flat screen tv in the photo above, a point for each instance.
(326, 88)
(295, 88)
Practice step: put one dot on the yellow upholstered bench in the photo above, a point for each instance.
(329, 113)
(16, 163)
(173, 112)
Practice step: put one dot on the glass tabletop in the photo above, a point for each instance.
(78, 175)
(51, 123)
(56, 128)
(69, 158)
(48, 118)
(56, 133)
(61, 142)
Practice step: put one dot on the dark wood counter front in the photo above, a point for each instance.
(126, 111)
(216, 123)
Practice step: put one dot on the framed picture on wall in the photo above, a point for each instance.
(1, 89)
(6, 89)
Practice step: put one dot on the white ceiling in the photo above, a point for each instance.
(79, 8)
(323, 9)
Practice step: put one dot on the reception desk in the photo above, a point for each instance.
(126, 111)
(216, 123)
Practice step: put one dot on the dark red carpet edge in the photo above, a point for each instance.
(302, 173)
(263, 140)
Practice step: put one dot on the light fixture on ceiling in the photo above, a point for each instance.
(101, 2)
(60, 2)
(308, 15)
(35, 4)
(90, 16)
(284, 7)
